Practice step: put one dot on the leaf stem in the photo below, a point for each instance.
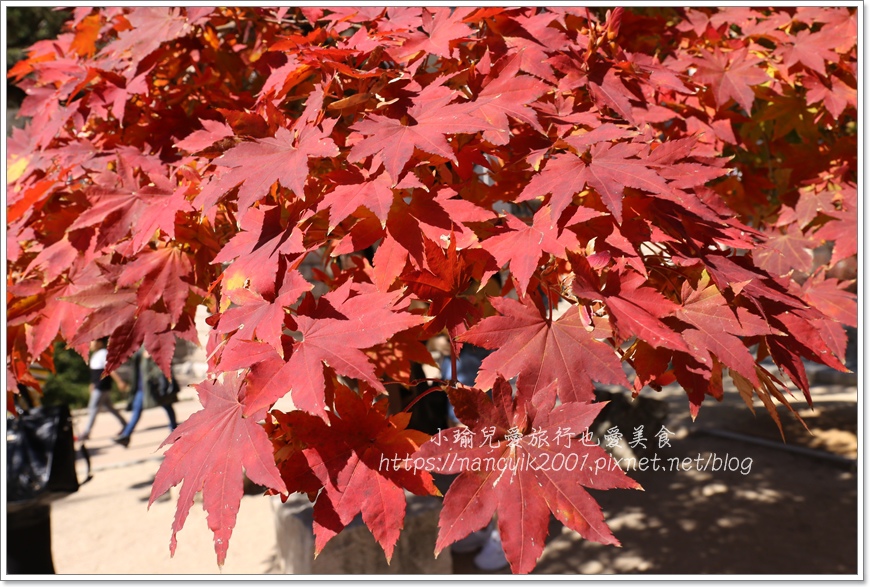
(414, 401)
(453, 354)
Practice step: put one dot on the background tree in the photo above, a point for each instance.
(24, 26)
(651, 185)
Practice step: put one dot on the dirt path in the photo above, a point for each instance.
(107, 528)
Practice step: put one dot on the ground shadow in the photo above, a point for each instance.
(787, 514)
(769, 511)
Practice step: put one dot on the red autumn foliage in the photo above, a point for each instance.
(657, 189)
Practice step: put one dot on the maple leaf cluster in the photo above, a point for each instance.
(634, 197)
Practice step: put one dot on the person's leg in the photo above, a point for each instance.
(170, 411)
(491, 557)
(93, 409)
(138, 400)
(106, 400)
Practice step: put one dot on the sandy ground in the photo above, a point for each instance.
(790, 513)
(107, 527)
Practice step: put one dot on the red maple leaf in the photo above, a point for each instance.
(440, 27)
(257, 251)
(253, 316)
(178, 157)
(60, 315)
(212, 132)
(807, 335)
(443, 283)
(522, 246)
(395, 358)
(162, 274)
(391, 257)
(353, 317)
(113, 310)
(459, 213)
(731, 75)
(617, 166)
(832, 298)
(156, 331)
(258, 164)
(149, 28)
(610, 169)
(741, 277)
(607, 88)
(651, 366)
(116, 92)
(543, 351)
(212, 451)
(634, 310)
(784, 252)
(357, 189)
(564, 176)
(359, 466)
(802, 340)
(665, 159)
(436, 217)
(842, 230)
(809, 205)
(116, 314)
(832, 91)
(128, 207)
(698, 379)
(521, 458)
(534, 58)
(505, 94)
(428, 120)
(716, 329)
(811, 50)
(160, 215)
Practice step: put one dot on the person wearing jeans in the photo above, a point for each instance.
(148, 378)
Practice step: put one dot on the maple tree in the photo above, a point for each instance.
(634, 197)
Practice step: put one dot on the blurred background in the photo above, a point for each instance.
(25, 26)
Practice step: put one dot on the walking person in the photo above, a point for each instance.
(149, 379)
(100, 387)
